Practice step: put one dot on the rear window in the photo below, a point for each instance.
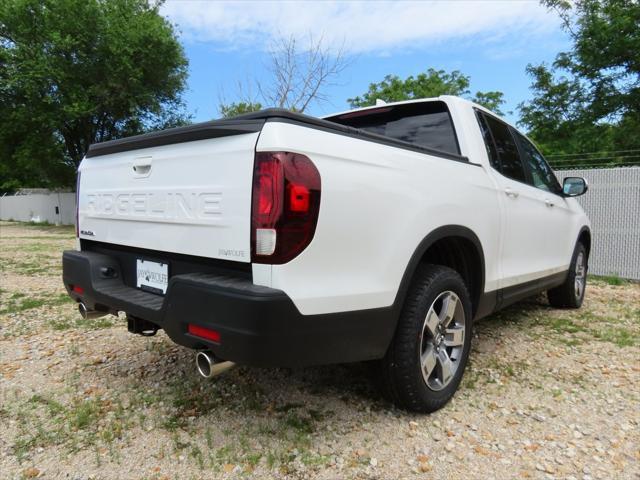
(427, 124)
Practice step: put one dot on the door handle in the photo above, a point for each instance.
(511, 193)
(548, 202)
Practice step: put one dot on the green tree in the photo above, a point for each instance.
(588, 100)
(493, 100)
(432, 83)
(238, 108)
(75, 72)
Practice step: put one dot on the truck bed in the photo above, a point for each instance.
(248, 123)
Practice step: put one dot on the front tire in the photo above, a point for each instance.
(429, 351)
(571, 293)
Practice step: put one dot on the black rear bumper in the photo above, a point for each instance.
(257, 325)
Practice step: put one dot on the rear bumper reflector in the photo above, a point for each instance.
(205, 333)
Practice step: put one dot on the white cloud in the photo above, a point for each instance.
(363, 27)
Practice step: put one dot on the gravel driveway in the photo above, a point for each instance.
(548, 394)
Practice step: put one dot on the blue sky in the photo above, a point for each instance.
(491, 41)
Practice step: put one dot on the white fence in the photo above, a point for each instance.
(54, 207)
(613, 205)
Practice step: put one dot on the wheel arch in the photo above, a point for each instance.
(584, 237)
(440, 247)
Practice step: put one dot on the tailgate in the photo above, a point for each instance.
(192, 198)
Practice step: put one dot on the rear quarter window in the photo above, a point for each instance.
(427, 124)
(504, 146)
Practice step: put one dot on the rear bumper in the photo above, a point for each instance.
(257, 325)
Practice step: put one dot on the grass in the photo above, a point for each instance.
(279, 429)
(35, 431)
(31, 267)
(188, 399)
(77, 322)
(471, 377)
(19, 302)
(590, 326)
(620, 336)
(85, 422)
(611, 321)
(613, 280)
(44, 226)
(564, 325)
(299, 423)
(62, 236)
(36, 247)
(620, 325)
(493, 370)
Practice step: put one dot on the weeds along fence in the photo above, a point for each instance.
(613, 205)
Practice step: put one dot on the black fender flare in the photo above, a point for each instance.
(410, 270)
(586, 229)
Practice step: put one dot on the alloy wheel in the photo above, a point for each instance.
(580, 276)
(442, 340)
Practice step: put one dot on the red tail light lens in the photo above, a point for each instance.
(298, 198)
(286, 203)
(269, 177)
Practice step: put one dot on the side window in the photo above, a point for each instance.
(488, 142)
(505, 145)
(540, 172)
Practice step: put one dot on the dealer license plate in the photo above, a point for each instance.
(152, 276)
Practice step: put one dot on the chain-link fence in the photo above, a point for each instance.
(613, 205)
(600, 159)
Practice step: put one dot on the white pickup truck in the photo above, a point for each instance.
(279, 239)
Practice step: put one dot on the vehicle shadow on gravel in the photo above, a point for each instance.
(159, 371)
(255, 387)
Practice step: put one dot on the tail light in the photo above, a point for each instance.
(285, 206)
(78, 205)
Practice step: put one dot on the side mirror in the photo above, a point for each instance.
(574, 186)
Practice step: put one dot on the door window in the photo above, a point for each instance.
(540, 172)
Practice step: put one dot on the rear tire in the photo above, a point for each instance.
(571, 293)
(429, 351)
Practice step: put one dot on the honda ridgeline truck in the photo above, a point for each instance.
(280, 239)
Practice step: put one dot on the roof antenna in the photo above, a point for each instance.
(380, 102)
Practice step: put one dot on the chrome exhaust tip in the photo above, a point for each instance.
(208, 367)
(204, 363)
(87, 314)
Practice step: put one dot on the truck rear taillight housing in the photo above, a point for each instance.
(78, 205)
(285, 206)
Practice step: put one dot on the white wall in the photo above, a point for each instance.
(39, 208)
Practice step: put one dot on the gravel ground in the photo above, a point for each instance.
(548, 394)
